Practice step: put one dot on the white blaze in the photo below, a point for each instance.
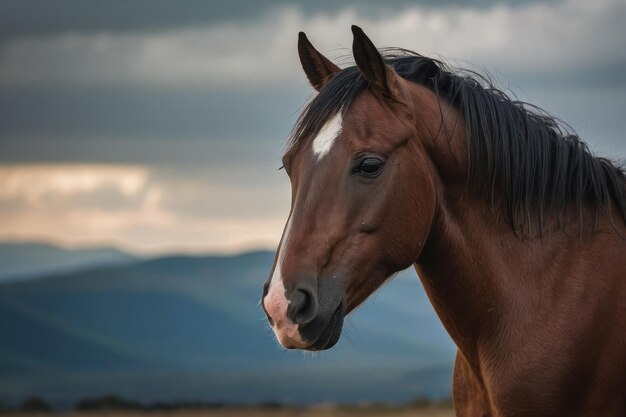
(276, 303)
(327, 135)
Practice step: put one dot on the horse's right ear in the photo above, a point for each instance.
(317, 67)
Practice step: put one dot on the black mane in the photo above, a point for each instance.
(521, 159)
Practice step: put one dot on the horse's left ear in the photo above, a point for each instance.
(381, 77)
(317, 67)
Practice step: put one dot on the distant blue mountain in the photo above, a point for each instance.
(25, 260)
(191, 328)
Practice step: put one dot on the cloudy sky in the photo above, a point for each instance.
(158, 125)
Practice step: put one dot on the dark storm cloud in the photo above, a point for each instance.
(36, 17)
(158, 113)
(172, 127)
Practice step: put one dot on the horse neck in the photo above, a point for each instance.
(493, 290)
(481, 277)
(478, 274)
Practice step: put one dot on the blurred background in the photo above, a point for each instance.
(140, 197)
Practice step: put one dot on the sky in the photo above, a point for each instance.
(158, 125)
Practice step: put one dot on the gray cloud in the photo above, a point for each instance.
(534, 38)
(149, 112)
(43, 17)
(193, 101)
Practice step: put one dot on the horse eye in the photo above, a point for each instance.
(369, 167)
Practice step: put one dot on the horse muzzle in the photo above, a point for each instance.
(307, 316)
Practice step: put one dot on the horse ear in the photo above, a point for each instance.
(317, 67)
(380, 76)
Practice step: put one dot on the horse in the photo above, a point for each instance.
(517, 232)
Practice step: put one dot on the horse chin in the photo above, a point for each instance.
(331, 333)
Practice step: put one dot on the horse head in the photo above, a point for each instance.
(363, 193)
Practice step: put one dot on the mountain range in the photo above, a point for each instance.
(191, 328)
(20, 260)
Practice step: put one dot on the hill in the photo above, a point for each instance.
(190, 328)
(28, 259)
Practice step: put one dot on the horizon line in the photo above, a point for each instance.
(166, 251)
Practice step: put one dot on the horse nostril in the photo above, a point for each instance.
(303, 306)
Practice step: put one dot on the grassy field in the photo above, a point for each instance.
(321, 411)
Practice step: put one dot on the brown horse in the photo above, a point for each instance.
(517, 232)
